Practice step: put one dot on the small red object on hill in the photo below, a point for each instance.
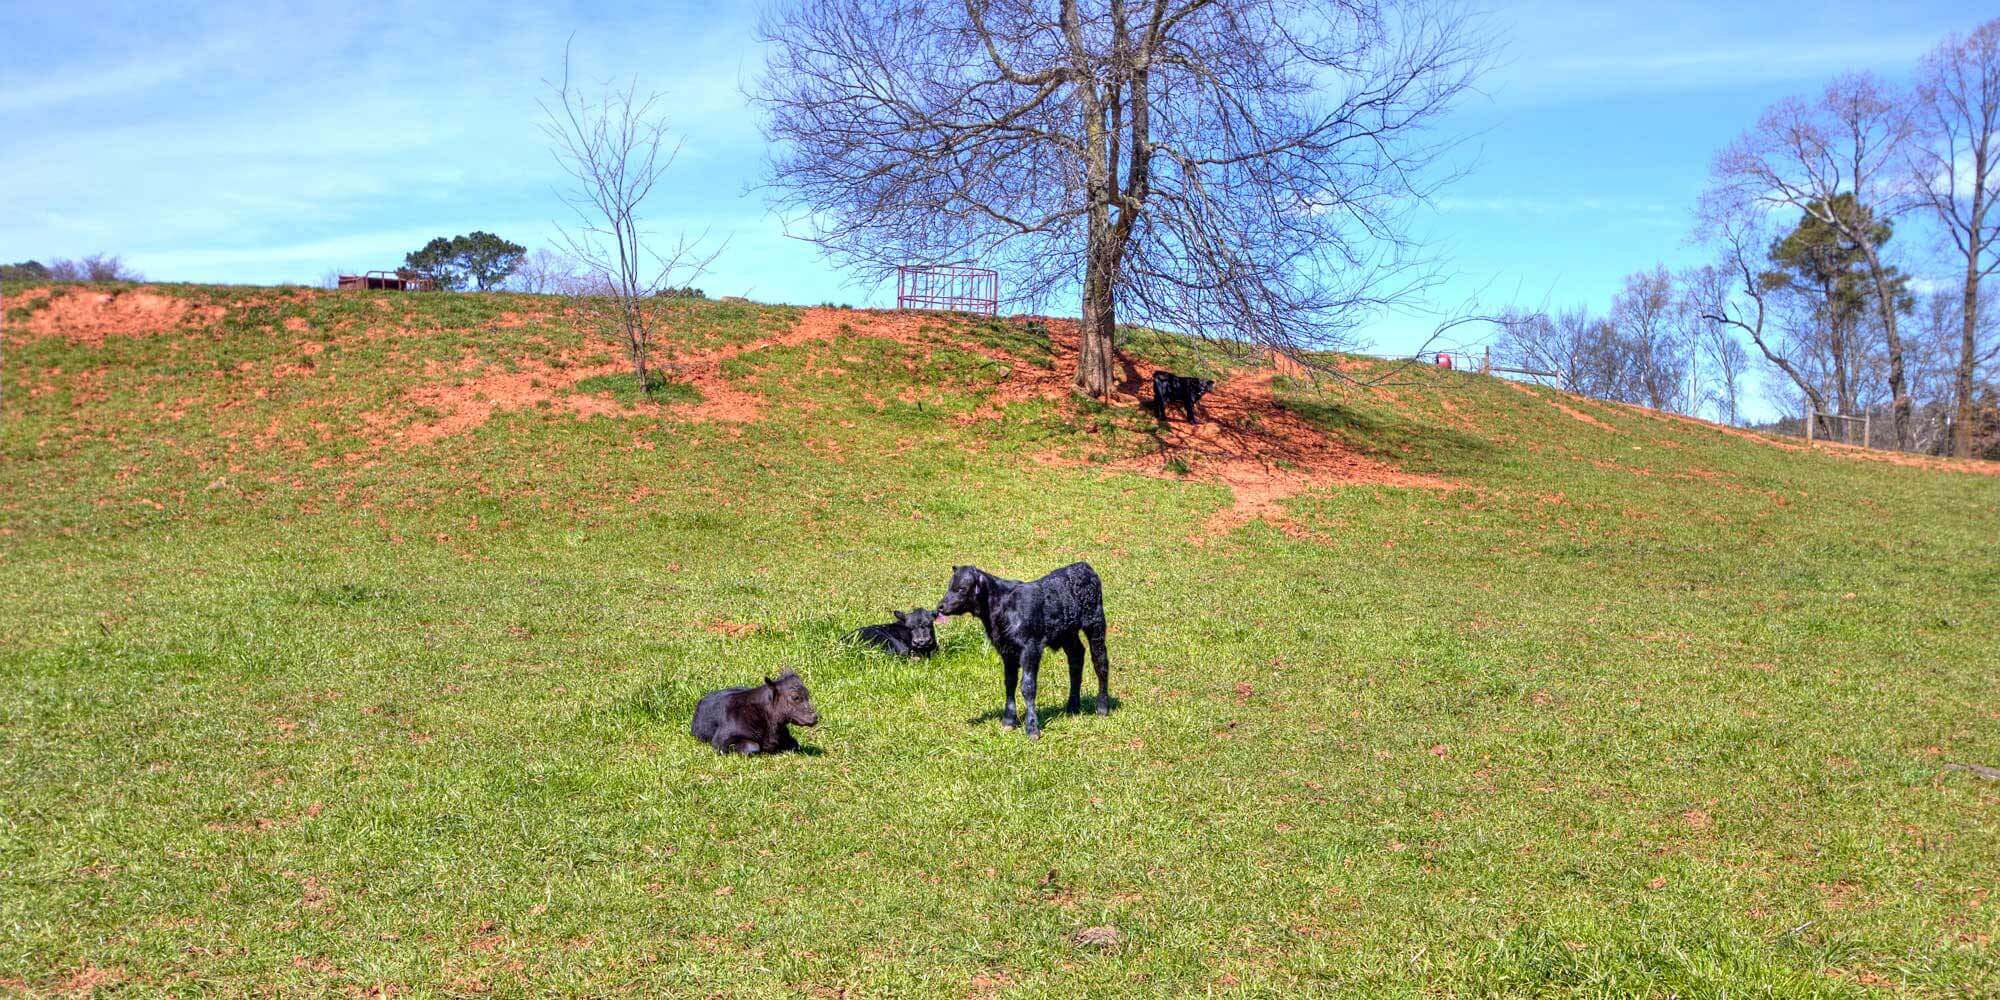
(1444, 360)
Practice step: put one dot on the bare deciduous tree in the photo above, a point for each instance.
(545, 272)
(1230, 168)
(1732, 293)
(1955, 164)
(1649, 315)
(1805, 156)
(1570, 343)
(94, 267)
(1727, 362)
(613, 143)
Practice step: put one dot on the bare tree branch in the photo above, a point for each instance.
(1236, 169)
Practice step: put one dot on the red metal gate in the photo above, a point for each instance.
(950, 287)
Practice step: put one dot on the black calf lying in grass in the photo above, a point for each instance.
(1061, 609)
(1171, 388)
(755, 719)
(911, 634)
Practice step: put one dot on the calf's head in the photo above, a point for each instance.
(922, 625)
(966, 593)
(1201, 389)
(790, 701)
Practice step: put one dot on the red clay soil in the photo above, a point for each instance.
(1246, 441)
(470, 403)
(722, 400)
(1263, 452)
(87, 316)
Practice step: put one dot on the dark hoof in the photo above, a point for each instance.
(1104, 710)
(1034, 734)
(1074, 707)
(1009, 724)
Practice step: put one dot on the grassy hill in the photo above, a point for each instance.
(348, 643)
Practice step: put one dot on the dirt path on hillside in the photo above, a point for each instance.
(1263, 452)
(1247, 441)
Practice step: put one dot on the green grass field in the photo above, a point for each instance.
(301, 694)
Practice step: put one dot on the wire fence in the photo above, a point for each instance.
(1930, 432)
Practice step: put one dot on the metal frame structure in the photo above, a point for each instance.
(948, 287)
(1866, 420)
(384, 281)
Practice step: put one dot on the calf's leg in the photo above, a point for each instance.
(1012, 667)
(1072, 647)
(1031, 665)
(1101, 661)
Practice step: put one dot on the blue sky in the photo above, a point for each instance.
(239, 143)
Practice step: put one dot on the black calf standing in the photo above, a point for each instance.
(1171, 388)
(755, 719)
(913, 633)
(1061, 609)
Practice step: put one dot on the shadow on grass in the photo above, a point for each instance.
(624, 387)
(1389, 436)
(1089, 708)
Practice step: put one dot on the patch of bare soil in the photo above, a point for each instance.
(470, 401)
(467, 404)
(721, 399)
(1264, 453)
(1247, 441)
(87, 316)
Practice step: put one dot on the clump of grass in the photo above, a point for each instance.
(624, 387)
(1178, 466)
(346, 595)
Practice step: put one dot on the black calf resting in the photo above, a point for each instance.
(1171, 388)
(911, 634)
(755, 719)
(1061, 610)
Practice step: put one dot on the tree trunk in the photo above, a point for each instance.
(1098, 346)
(1969, 329)
(635, 344)
(1967, 353)
(1838, 322)
(1885, 303)
(1100, 269)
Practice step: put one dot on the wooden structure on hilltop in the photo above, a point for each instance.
(388, 281)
